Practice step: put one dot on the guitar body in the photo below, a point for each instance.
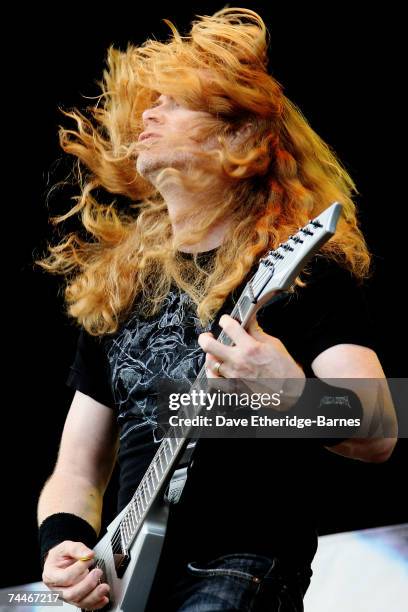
(130, 579)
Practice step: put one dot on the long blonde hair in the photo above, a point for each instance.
(282, 175)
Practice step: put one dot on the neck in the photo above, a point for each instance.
(186, 210)
(211, 240)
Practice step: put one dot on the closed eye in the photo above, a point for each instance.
(161, 99)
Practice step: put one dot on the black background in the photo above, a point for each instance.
(341, 68)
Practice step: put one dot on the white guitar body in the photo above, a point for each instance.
(129, 593)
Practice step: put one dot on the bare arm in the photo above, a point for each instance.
(351, 361)
(85, 462)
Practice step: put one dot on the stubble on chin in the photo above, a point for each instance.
(149, 163)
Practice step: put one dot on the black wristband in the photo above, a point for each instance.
(64, 526)
(320, 398)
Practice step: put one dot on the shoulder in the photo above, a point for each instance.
(331, 308)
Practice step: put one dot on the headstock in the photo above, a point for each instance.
(279, 268)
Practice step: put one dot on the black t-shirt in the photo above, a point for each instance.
(242, 495)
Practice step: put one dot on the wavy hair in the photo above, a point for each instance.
(281, 174)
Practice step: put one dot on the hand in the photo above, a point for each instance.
(255, 355)
(64, 571)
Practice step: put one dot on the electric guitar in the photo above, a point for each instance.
(129, 552)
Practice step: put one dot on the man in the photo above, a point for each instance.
(226, 168)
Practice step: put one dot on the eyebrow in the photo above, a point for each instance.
(158, 100)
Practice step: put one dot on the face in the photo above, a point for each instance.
(167, 125)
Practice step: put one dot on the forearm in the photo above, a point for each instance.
(377, 435)
(70, 493)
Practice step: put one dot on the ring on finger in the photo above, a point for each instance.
(217, 367)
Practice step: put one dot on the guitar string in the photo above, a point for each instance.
(141, 489)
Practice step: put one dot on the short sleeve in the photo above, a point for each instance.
(336, 311)
(89, 372)
(333, 308)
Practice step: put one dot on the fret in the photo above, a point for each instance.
(153, 478)
(202, 375)
(164, 456)
(165, 451)
(148, 484)
(160, 457)
(129, 524)
(239, 316)
(146, 490)
(224, 339)
(130, 521)
(143, 497)
(127, 530)
(150, 477)
(157, 465)
(170, 444)
(123, 534)
(251, 293)
(134, 516)
(244, 304)
(139, 505)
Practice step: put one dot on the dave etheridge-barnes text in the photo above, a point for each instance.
(257, 420)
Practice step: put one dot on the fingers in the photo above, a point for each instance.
(222, 352)
(76, 550)
(212, 370)
(233, 329)
(88, 593)
(237, 361)
(54, 575)
(209, 344)
(60, 567)
(255, 330)
(79, 586)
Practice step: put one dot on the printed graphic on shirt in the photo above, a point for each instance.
(147, 350)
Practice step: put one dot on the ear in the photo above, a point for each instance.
(243, 132)
(247, 128)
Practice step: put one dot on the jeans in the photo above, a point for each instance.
(240, 582)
